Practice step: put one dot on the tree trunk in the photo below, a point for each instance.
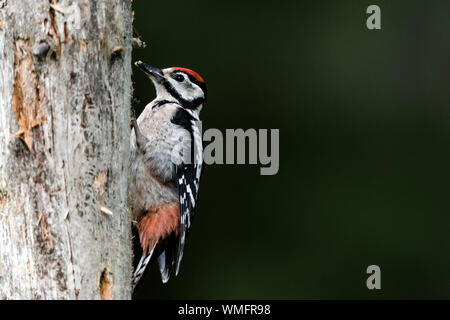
(65, 84)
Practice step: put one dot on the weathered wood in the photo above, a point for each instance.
(65, 83)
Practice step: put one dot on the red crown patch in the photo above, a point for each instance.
(192, 73)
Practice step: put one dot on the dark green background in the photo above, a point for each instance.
(364, 158)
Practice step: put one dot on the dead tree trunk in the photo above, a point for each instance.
(65, 82)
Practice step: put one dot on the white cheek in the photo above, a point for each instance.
(198, 92)
(195, 92)
(187, 91)
(180, 89)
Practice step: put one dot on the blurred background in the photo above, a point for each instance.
(364, 147)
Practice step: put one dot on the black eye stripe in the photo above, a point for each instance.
(185, 103)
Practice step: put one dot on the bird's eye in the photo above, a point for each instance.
(179, 78)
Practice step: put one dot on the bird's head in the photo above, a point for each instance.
(185, 86)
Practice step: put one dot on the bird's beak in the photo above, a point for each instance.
(154, 73)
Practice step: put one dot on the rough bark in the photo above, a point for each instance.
(65, 82)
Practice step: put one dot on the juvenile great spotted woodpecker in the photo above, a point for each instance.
(166, 165)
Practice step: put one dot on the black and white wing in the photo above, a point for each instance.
(188, 178)
(188, 184)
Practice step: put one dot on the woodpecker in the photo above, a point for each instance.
(166, 165)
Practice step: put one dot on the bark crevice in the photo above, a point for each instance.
(64, 149)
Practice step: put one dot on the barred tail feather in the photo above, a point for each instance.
(163, 267)
(140, 269)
